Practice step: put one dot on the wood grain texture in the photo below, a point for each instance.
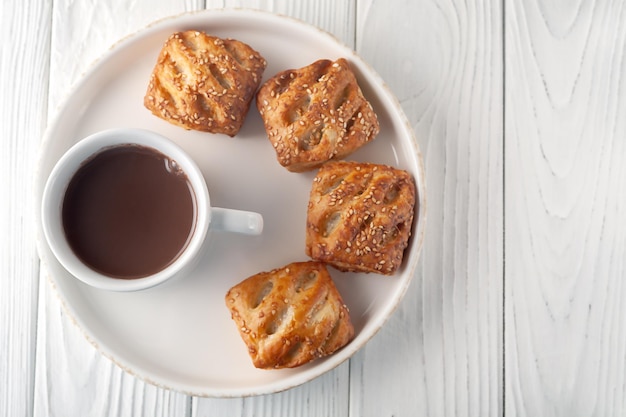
(441, 353)
(83, 31)
(565, 236)
(326, 395)
(535, 330)
(336, 17)
(24, 85)
(72, 377)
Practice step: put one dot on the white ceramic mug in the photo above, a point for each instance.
(206, 217)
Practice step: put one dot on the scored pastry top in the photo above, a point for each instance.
(290, 316)
(359, 216)
(315, 114)
(202, 82)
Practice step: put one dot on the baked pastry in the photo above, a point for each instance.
(359, 216)
(204, 83)
(290, 315)
(314, 114)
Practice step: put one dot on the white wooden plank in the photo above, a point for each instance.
(335, 17)
(25, 34)
(565, 236)
(72, 378)
(83, 31)
(440, 354)
(327, 395)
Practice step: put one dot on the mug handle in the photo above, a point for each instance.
(237, 221)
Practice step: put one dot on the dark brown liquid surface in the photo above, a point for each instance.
(128, 212)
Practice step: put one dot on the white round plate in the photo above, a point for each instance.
(180, 335)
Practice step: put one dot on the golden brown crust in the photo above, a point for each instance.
(204, 83)
(290, 315)
(315, 114)
(359, 216)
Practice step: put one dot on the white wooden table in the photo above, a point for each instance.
(518, 305)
